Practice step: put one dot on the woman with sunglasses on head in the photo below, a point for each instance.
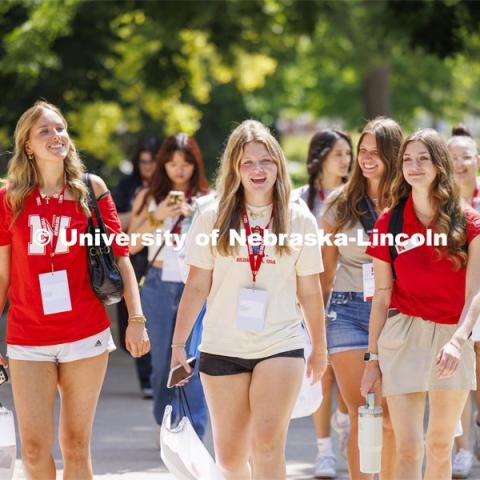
(58, 334)
(426, 303)
(166, 207)
(143, 162)
(352, 211)
(328, 163)
(466, 163)
(251, 361)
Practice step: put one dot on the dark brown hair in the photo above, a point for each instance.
(161, 184)
(388, 136)
(320, 146)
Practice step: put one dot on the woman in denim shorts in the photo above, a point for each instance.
(350, 212)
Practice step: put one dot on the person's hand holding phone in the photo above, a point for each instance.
(179, 358)
(3, 361)
(164, 210)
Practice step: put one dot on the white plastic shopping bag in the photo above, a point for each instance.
(183, 453)
(310, 396)
(8, 449)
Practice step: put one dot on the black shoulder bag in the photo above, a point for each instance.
(105, 279)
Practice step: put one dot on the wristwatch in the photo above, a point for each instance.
(369, 356)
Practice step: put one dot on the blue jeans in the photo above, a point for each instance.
(348, 319)
(160, 303)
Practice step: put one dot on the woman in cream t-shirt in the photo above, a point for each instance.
(251, 359)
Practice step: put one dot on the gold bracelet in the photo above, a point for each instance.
(152, 221)
(177, 345)
(138, 318)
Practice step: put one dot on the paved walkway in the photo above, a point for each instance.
(124, 433)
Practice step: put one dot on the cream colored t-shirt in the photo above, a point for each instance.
(349, 277)
(282, 329)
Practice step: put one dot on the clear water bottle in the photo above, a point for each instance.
(8, 445)
(370, 436)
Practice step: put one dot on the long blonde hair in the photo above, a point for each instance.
(23, 175)
(444, 194)
(230, 190)
(388, 136)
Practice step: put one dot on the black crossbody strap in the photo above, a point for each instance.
(157, 253)
(92, 203)
(395, 226)
(368, 216)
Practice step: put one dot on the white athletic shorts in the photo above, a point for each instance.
(65, 352)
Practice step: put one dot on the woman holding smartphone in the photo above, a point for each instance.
(328, 162)
(251, 359)
(352, 211)
(166, 207)
(58, 331)
(426, 303)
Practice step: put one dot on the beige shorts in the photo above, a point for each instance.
(407, 350)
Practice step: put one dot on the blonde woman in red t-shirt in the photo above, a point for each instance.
(420, 322)
(58, 331)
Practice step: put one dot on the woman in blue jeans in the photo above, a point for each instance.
(351, 211)
(179, 169)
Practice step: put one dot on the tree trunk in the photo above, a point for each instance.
(377, 92)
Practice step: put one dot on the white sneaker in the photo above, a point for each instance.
(325, 467)
(342, 430)
(462, 464)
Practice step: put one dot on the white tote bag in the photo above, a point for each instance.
(183, 453)
(310, 396)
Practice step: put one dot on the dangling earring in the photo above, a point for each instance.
(30, 156)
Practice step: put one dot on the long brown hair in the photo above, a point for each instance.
(161, 184)
(320, 146)
(23, 175)
(388, 136)
(230, 190)
(444, 193)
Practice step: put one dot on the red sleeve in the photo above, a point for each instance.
(112, 223)
(5, 219)
(382, 252)
(473, 223)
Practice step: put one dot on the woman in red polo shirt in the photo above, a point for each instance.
(421, 321)
(58, 334)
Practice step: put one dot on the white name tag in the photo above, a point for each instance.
(368, 282)
(406, 246)
(55, 292)
(171, 266)
(252, 304)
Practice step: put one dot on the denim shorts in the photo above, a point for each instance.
(348, 316)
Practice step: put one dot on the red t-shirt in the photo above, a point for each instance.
(26, 322)
(426, 286)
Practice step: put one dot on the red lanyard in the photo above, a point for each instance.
(321, 194)
(56, 219)
(255, 260)
(475, 198)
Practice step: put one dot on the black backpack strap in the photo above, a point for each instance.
(395, 226)
(368, 216)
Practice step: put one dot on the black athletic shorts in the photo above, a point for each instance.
(221, 365)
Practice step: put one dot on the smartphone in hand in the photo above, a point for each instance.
(175, 198)
(178, 374)
(3, 375)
